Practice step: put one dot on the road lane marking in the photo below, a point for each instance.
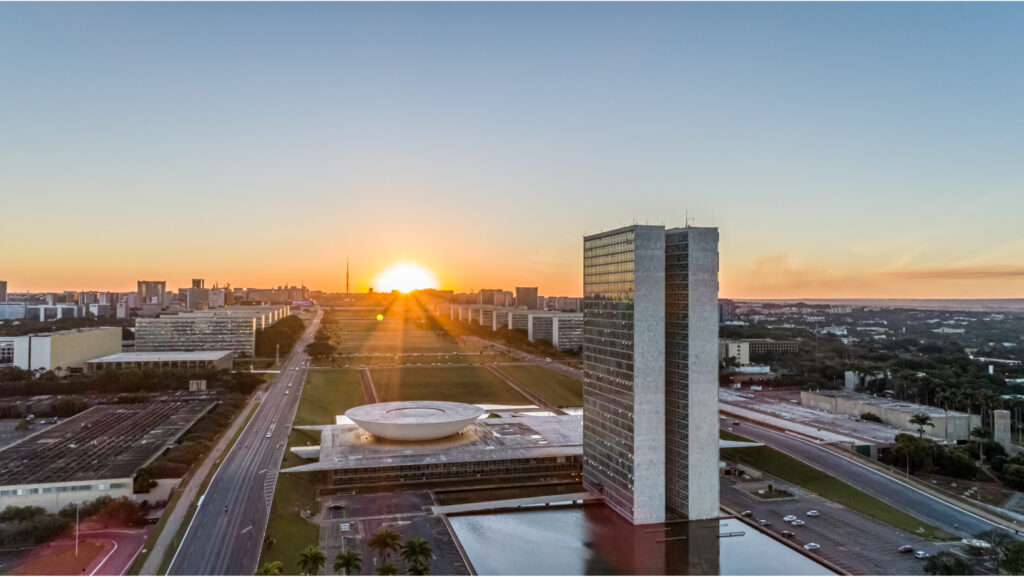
(883, 475)
(246, 529)
(105, 558)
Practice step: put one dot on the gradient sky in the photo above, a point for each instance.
(844, 150)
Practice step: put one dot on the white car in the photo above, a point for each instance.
(798, 523)
(812, 546)
(813, 513)
(789, 518)
(921, 555)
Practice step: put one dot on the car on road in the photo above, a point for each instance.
(797, 523)
(788, 534)
(789, 518)
(764, 523)
(268, 434)
(906, 549)
(813, 513)
(746, 513)
(286, 392)
(921, 555)
(812, 546)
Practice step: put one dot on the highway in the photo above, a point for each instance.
(925, 507)
(225, 536)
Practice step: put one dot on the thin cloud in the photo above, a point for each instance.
(958, 273)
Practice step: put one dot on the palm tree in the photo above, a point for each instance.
(387, 569)
(383, 542)
(416, 552)
(311, 560)
(271, 568)
(922, 420)
(348, 562)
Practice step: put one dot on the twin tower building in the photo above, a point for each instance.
(650, 365)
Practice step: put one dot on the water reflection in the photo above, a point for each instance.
(593, 540)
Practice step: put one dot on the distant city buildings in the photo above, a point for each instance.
(650, 420)
(526, 297)
(151, 291)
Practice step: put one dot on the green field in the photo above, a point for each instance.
(458, 384)
(782, 466)
(555, 388)
(295, 493)
(327, 394)
(389, 336)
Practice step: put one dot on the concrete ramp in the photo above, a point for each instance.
(521, 503)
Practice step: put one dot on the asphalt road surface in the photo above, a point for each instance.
(225, 536)
(925, 507)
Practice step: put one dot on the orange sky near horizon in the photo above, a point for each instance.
(772, 276)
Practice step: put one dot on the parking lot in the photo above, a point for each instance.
(853, 542)
(350, 520)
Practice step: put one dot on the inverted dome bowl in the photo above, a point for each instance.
(414, 420)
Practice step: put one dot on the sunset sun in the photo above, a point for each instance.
(404, 277)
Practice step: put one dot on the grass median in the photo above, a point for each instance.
(789, 469)
(554, 387)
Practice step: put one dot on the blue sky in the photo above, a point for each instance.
(844, 150)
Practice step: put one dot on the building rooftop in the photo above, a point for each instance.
(163, 356)
(904, 406)
(104, 442)
(349, 447)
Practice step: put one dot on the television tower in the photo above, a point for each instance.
(346, 275)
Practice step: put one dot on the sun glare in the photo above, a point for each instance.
(404, 277)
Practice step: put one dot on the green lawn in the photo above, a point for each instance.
(295, 494)
(782, 466)
(389, 336)
(327, 394)
(459, 384)
(555, 388)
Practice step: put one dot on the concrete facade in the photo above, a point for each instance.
(162, 361)
(738, 350)
(65, 350)
(1001, 429)
(650, 365)
(696, 496)
(949, 425)
(567, 331)
(11, 311)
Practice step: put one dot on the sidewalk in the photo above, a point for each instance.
(191, 491)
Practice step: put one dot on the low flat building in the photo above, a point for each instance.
(163, 360)
(772, 345)
(496, 447)
(567, 331)
(64, 351)
(948, 425)
(95, 453)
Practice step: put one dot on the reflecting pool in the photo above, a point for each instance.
(594, 540)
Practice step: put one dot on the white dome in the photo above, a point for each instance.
(414, 420)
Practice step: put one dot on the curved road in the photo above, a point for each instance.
(925, 507)
(225, 536)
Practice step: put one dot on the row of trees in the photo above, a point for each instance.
(29, 525)
(15, 382)
(414, 552)
(321, 347)
(997, 546)
(284, 333)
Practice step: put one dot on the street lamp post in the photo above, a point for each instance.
(78, 507)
